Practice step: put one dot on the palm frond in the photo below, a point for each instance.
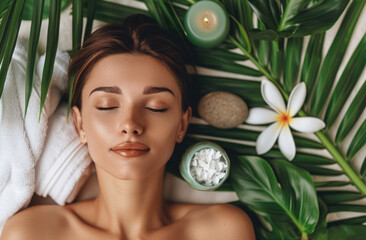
(334, 57)
(33, 48)
(9, 40)
(51, 49)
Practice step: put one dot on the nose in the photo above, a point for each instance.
(131, 122)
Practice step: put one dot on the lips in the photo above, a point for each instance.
(130, 149)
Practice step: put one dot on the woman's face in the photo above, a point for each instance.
(131, 115)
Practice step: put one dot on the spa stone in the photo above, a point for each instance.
(223, 109)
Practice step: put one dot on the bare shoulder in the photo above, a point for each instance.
(35, 222)
(218, 221)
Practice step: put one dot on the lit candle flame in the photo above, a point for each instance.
(205, 20)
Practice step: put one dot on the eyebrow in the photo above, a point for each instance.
(113, 89)
(152, 90)
(147, 90)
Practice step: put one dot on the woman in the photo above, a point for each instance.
(130, 107)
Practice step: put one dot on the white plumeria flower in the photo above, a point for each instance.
(282, 119)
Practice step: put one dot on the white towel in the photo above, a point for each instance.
(22, 140)
(65, 162)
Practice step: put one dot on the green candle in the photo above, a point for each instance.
(206, 24)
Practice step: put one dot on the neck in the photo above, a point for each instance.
(130, 208)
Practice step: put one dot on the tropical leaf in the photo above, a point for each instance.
(346, 208)
(51, 49)
(298, 17)
(354, 232)
(241, 11)
(32, 49)
(29, 8)
(348, 221)
(291, 10)
(320, 16)
(267, 11)
(288, 197)
(8, 43)
(156, 12)
(77, 24)
(4, 28)
(112, 12)
(242, 34)
(353, 113)
(267, 34)
(219, 55)
(91, 5)
(332, 197)
(277, 58)
(321, 232)
(363, 169)
(346, 83)
(246, 135)
(358, 141)
(3, 6)
(263, 48)
(331, 184)
(312, 60)
(292, 62)
(334, 57)
(319, 171)
(228, 67)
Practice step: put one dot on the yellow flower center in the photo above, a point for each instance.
(284, 118)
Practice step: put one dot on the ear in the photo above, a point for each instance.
(186, 117)
(79, 124)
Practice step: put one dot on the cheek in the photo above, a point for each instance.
(164, 134)
(98, 131)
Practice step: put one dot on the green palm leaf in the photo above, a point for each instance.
(354, 232)
(358, 141)
(353, 113)
(77, 24)
(277, 59)
(346, 83)
(51, 49)
(331, 184)
(352, 221)
(332, 197)
(292, 9)
(91, 5)
(112, 12)
(312, 60)
(8, 43)
(32, 49)
(267, 11)
(346, 208)
(263, 48)
(321, 232)
(334, 57)
(292, 62)
(6, 15)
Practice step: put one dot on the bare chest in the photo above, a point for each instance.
(83, 231)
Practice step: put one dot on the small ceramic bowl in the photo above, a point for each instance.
(185, 169)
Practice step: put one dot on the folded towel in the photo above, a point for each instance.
(22, 140)
(65, 162)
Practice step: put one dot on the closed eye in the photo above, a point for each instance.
(106, 108)
(157, 110)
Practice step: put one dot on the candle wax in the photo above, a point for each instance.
(206, 24)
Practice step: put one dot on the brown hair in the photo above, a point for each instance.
(139, 34)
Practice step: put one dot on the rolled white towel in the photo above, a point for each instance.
(65, 162)
(22, 140)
